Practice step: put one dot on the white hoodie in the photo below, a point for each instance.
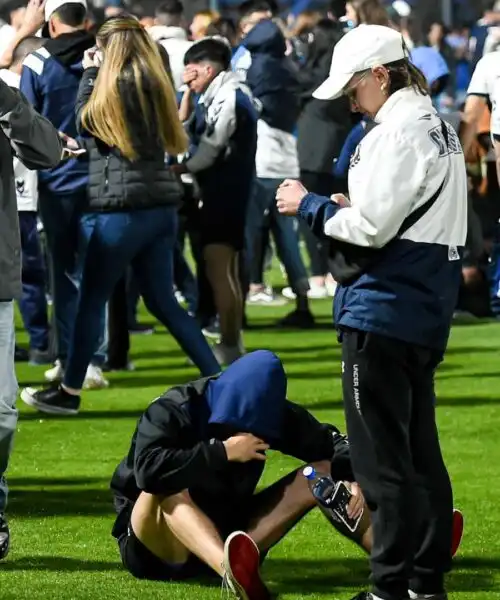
(175, 42)
(26, 180)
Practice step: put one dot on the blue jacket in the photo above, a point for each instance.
(271, 78)
(50, 80)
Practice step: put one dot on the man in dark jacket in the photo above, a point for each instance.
(37, 145)
(50, 80)
(189, 480)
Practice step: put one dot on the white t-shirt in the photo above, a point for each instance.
(26, 180)
(7, 34)
(485, 82)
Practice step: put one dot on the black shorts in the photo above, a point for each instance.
(143, 564)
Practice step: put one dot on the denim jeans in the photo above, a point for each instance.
(144, 239)
(33, 302)
(66, 244)
(263, 215)
(8, 393)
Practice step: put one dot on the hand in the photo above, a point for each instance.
(245, 447)
(34, 17)
(190, 74)
(341, 200)
(289, 196)
(357, 504)
(69, 142)
(92, 58)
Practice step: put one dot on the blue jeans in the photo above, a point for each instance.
(66, 243)
(8, 393)
(33, 302)
(144, 239)
(263, 215)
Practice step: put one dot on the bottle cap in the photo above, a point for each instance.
(309, 473)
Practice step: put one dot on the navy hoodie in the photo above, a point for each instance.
(173, 448)
(50, 80)
(271, 77)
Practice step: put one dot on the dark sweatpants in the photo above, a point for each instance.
(396, 457)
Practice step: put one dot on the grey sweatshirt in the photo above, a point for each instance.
(30, 137)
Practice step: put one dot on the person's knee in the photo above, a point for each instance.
(170, 503)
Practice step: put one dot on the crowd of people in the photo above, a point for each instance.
(134, 133)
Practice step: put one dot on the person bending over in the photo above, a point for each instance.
(186, 491)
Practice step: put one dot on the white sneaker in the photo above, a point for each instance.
(265, 297)
(315, 292)
(56, 373)
(415, 596)
(94, 379)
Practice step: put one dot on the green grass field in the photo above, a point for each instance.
(60, 507)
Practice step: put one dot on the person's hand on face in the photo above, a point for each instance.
(289, 196)
(190, 74)
(92, 58)
(245, 447)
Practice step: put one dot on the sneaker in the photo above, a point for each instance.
(94, 379)
(212, 332)
(140, 329)
(52, 401)
(265, 297)
(21, 355)
(39, 358)
(56, 373)
(458, 531)
(110, 368)
(227, 355)
(241, 566)
(298, 319)
(369, 596)
(315, 292)
(4, 537)
(415, 596)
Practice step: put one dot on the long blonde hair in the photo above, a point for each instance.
(133, 58)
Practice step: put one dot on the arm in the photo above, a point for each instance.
(474, 108)
(390, 171)
(163, 463)
(34, 140)
(216, 136)
(30, 84)
(84, 92)
(316, 212)
(357, 133)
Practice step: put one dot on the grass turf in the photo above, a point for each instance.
(60, 507)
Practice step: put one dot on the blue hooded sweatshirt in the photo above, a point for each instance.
(250, 396)
(430, 62)
(271, 78)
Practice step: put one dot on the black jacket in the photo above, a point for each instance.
(115, 183)
(169, 453)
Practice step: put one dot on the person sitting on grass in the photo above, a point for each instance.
(185, 494)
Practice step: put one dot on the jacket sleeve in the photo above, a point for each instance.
(30, 86)
(316, 211)
(33, 139)
(355, 136)
(85, 90)
(163, 463)
(216, 136)
(388, 176)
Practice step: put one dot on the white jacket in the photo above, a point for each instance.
(175, 42)
(26, 180)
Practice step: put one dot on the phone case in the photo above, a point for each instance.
(341, 499)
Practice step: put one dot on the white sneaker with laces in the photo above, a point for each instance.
(94, 379)
(56, 373)
(415, 596)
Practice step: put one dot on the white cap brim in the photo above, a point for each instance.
(333, 87)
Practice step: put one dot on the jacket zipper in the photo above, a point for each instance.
(106, 175)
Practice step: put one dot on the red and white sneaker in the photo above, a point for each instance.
(241, 566)
(458, 531)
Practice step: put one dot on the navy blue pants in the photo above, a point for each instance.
(144, 239)
(33, 303)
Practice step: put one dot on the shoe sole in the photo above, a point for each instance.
(458, 531)
(241, 564)
(28, 399)
(93, 384)
(211, 336)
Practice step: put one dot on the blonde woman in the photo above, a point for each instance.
(127, 112)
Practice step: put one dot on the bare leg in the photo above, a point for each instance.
(174, 528)
(220, 263)
(281, 506)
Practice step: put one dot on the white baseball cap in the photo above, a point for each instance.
(52, 5)
(362, 48)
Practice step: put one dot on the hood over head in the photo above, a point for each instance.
(69, 48)
(250, 396)
(266, 38)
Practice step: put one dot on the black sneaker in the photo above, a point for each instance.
(39, 358)
(52, 401)
(4, 537)
(21, 355)
(140, 329)
(298, 319)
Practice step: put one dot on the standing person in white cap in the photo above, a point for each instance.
(396, 247)
(50, 79)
